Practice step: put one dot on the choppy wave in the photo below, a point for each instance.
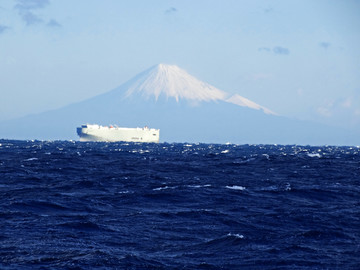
(172, 206)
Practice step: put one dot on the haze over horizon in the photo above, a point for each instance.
(184, 108)
(299, 59)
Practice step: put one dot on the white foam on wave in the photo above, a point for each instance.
(240, 236)
(236, 187)
(124, 192)
(31, 159)
(314, 155)
(287, 187)
(198, 186)
(140, 151)
(225, 151)
(162, 188)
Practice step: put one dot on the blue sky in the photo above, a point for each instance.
(299, 58)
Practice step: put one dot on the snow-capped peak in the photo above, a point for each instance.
(172, 81)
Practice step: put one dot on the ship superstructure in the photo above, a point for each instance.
(111, 133)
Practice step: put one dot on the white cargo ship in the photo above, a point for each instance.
(100, 133)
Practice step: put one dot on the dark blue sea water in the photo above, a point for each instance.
(79, 205)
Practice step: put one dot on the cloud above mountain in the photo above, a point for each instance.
(342, 108)
(27, 11)
(278, 50)
(53, 23)
(3, 28)
(28, 5)
(171, 10)
(281, 50)
(325, 45)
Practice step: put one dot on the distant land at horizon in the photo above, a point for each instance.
(184, 108)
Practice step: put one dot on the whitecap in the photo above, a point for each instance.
(225, 151)
(123, 192)
(198, 186)
(314, 155)
(161, 188)
(240, 236)
(236, 187)
(287, 187)
(30, 159)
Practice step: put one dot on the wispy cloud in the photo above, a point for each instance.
(170, 10)
(281, 50)
(3, 28)
(344, 110)
(324, 44)
(347, 103)
(28, 5)
(27, 8)
(276, 50)
(53, 23)
(268, 10)
(30, 18)
(326, 110)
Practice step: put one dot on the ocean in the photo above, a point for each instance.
(77, 205)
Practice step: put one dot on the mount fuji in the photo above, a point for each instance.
(170, 83)
(184, 108)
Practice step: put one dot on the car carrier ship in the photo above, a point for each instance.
(111, 133)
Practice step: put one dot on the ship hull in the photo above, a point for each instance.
(91, 133)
